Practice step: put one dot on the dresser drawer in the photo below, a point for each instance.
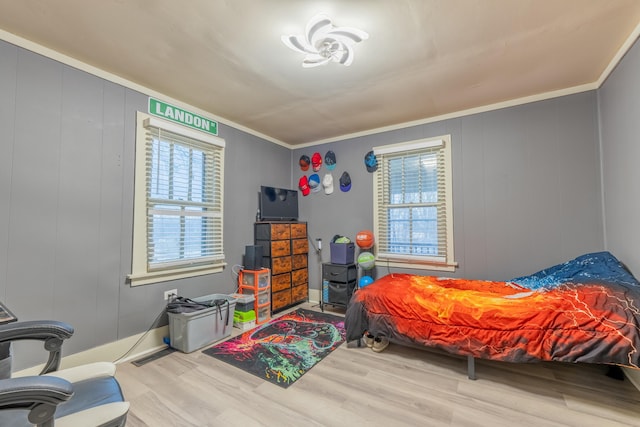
(339, 293)
(280, 265)
(299, 277)
(339, 272)
(280, 282)
(271, 248)
(299, 231)
(299, 246)
(280, 248)
(299, 293)
(299, 261)
(280, 299)
(271, 231)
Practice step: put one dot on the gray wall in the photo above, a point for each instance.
(526, 185)
(527, 192)
(66, 192)
(619, 102)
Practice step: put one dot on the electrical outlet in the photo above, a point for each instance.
(170, 293)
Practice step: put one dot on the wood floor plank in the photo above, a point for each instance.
(354, 386)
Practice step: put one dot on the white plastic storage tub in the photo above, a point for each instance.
(191, 331)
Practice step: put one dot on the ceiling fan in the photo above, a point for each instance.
(323, 43)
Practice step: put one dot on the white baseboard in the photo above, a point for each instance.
(118, 351)
(314, 296)
(115, 351)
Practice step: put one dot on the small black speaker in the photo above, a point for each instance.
(253, 258)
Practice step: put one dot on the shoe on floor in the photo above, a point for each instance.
(380, 343)
(368, 339)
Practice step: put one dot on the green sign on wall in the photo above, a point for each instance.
(178, 115)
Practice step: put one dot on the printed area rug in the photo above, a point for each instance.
(283, 349)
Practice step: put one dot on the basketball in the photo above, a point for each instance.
(364, 239)
(366, 260)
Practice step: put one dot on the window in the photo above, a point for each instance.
(413, 215)
(178, 202)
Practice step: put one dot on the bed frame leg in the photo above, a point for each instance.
(471, 367)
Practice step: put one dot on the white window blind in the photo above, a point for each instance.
(179, 224)
(413, 203)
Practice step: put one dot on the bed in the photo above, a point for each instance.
(586, 310)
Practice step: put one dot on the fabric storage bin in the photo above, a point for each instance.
(338, 293)
(342, 253)
(339, 273)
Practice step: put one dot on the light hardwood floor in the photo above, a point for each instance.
(355, 386)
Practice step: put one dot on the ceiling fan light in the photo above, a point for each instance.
(310, 63)
(324, 43)
(292, 42)
(347, 56)
(318, 26)
(349, 33)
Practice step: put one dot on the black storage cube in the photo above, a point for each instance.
(338, 293)
(340, 273)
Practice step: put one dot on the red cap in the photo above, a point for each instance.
(316, 161)
(304, 185)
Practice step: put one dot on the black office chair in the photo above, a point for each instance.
(87, 395)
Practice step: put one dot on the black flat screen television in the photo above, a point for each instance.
(278, 204)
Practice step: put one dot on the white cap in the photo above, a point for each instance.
(327, 183)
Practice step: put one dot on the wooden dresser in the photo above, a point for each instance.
(284, 249)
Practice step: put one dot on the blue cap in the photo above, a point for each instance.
(371, 162)
(345, 182)
(314, 183)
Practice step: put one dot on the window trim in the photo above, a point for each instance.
(140, 274)
(416, 261)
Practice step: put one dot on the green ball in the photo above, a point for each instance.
(366, 260)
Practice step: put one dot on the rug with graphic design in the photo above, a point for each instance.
(285, 348)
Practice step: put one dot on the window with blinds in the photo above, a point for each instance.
(178, 221)
(413, 204)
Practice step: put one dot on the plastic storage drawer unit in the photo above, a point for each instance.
(244, 302)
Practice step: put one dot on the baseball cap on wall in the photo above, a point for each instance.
(345, 182)
(314, 183)
(316, 161)
(327, 183)
(330, 160)
(371, 162)
(304, 162)
(303, 184)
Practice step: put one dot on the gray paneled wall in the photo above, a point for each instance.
(66, 186)
(526, 185)
(619, 101)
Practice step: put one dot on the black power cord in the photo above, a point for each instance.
(155, 321)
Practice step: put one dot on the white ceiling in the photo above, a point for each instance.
(423, 59)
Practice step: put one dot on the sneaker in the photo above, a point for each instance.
(368, 339)
(380, 343)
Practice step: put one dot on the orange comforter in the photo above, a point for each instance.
(574, 322)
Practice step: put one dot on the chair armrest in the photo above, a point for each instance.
(25, 391)
(39, 395)
(53, 334)
(35, 330)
